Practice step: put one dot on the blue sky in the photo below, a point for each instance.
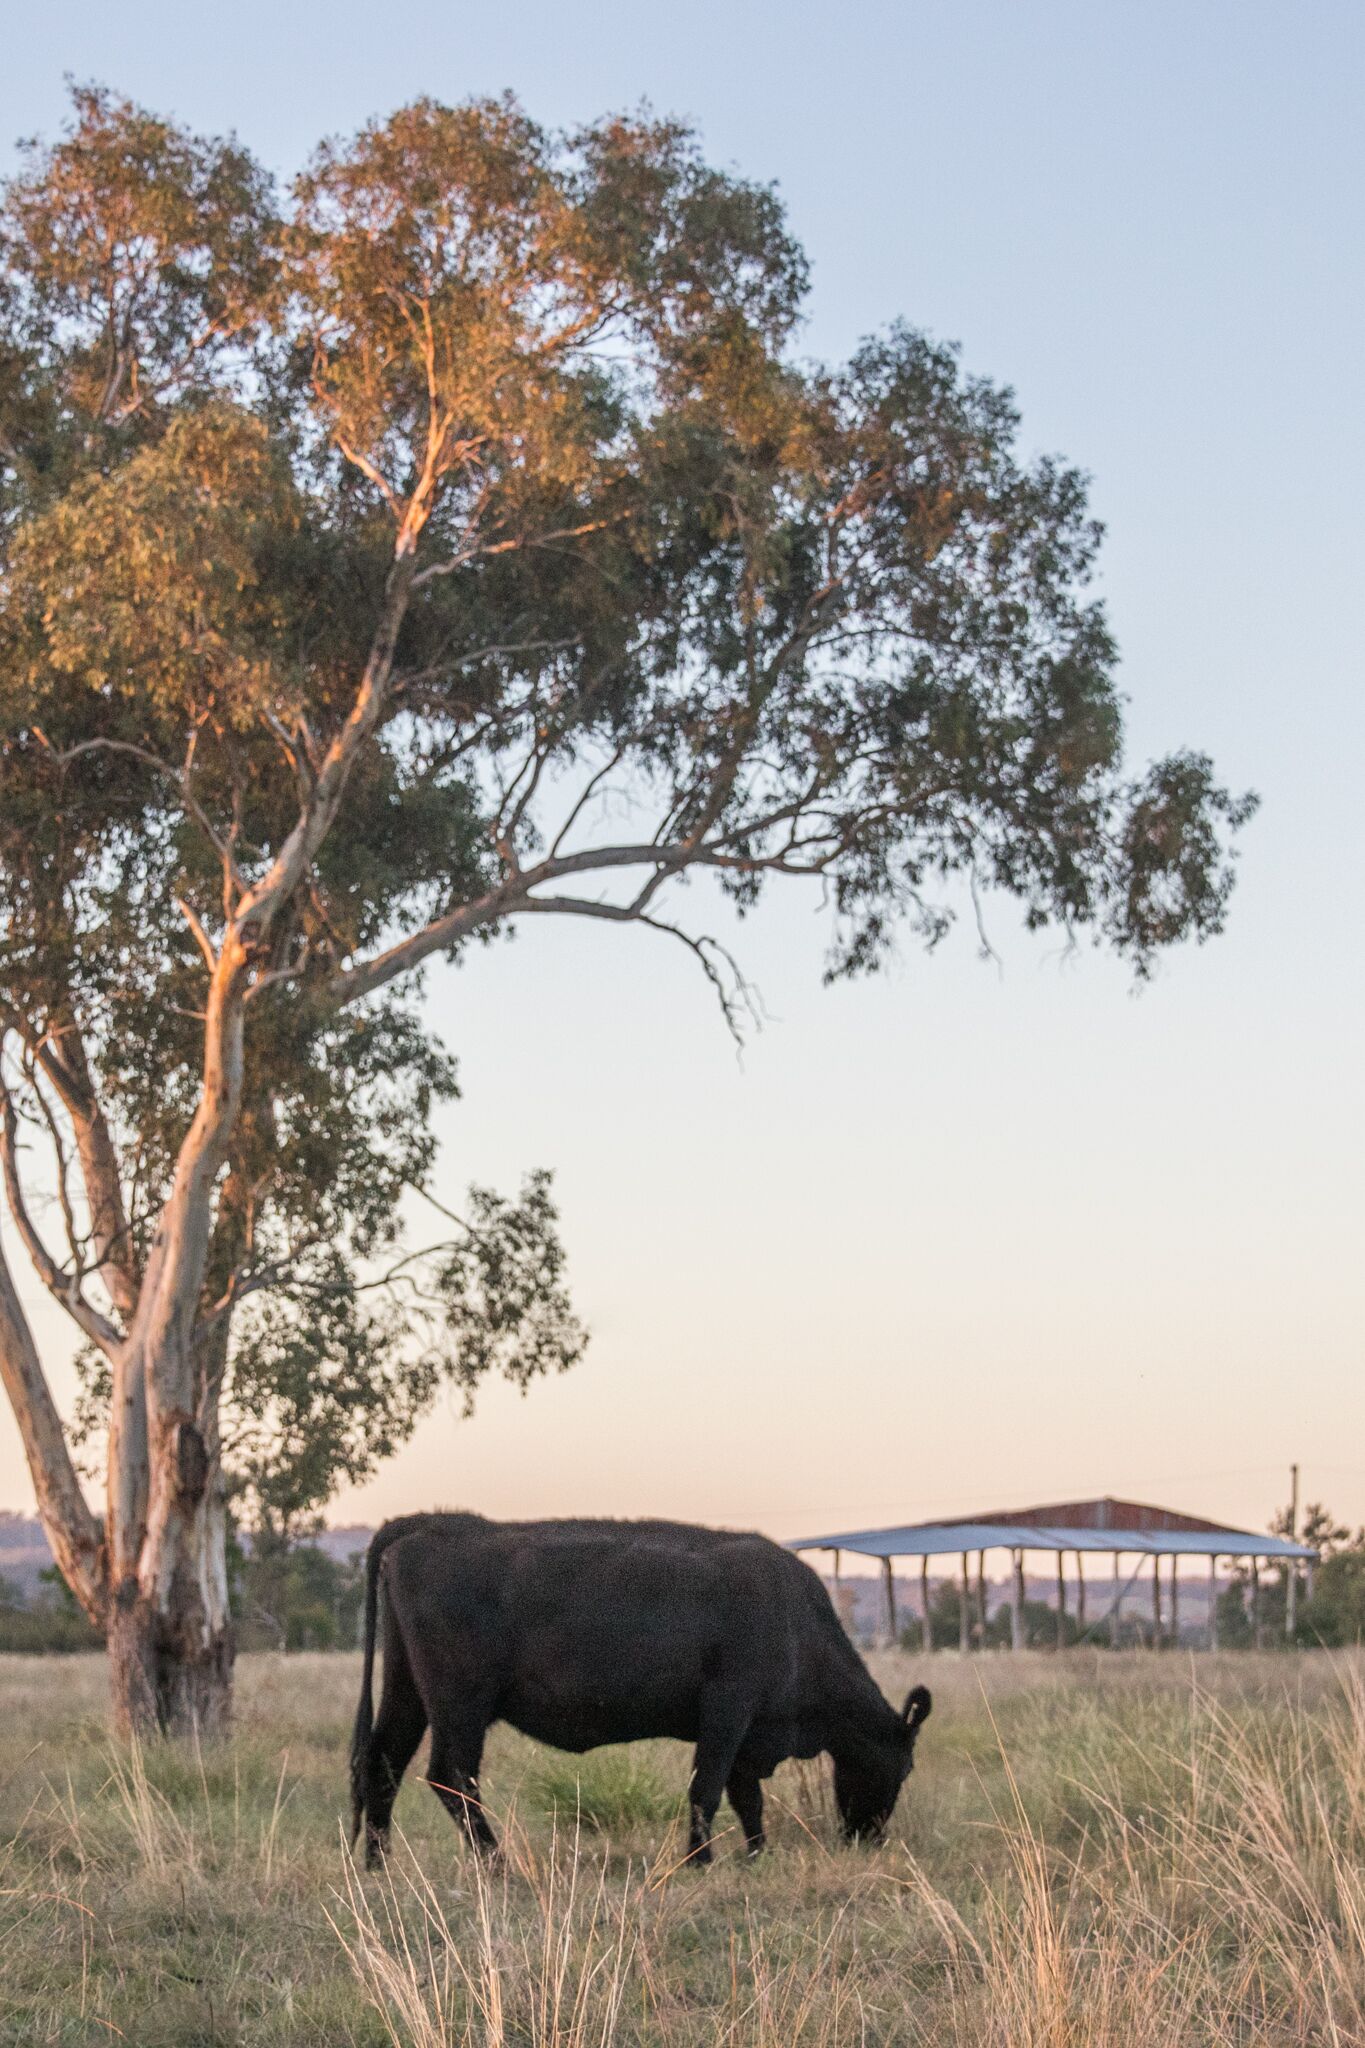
(959, 1237)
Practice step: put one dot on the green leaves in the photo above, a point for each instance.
(502, 1286)
(1172, 868)
(143, 588)
(332, 1376)
(461, 541)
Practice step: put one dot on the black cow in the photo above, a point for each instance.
(585, 1632)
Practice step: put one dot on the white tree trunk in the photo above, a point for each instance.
(170, 1635)
(170, 1649)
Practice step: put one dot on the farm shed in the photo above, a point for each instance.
(1127, 1531)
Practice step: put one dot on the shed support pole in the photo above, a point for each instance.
(890, 1603)
(1017, 1602)
(1175, 1602)
(1308, 1580)
(1061, 1604)
(1257, 1632)
(981, 1595)
(926, 1628)
(1114, 1610)
(1156, 1602)
(964, 1607)
(1080, 1593)
(1213, 1603)
(1291, 1587)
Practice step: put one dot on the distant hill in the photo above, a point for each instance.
(24, 1551)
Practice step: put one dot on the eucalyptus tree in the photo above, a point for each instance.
(369, 555)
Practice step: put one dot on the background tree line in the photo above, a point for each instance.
(285, 1593)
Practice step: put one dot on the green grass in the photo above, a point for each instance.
(1093, 1852)
(611, 1792)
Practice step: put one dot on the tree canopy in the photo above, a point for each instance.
(368, 554)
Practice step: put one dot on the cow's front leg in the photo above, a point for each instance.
(723, 1724)
(744, 1789)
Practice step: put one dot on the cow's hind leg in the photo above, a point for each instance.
(399, 1728)
(453, 1775)
(723, 1725)
(744, 1790)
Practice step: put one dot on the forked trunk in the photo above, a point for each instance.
(169, 1634)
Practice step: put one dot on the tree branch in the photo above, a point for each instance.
(72, 1530)
(259, 904)
(62, 1286)
(508, 547)
(61, 756)
(201, 937)
(706, 950)
(515, 895)
(62, 1056)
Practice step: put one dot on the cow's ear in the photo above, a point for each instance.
(918, 1705)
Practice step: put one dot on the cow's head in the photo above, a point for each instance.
(867, 1782)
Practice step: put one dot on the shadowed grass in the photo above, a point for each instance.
(1093, 1852)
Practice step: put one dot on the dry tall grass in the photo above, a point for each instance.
(1097, 1852)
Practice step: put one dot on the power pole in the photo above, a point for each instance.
(1291, 1600)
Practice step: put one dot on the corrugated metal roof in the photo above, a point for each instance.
(939, 1539)
(1105, 1513)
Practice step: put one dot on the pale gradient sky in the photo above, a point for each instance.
(956, 1238)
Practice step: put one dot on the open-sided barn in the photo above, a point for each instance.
(1128, 1531)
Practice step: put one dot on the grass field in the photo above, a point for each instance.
(1094, 1852)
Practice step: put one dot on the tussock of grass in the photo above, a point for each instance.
(1100, 1852)
(607, 1792)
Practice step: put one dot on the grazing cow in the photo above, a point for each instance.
(585, 1632)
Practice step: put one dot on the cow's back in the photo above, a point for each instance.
(587, 1632)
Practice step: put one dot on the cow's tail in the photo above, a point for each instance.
(364, 1717)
